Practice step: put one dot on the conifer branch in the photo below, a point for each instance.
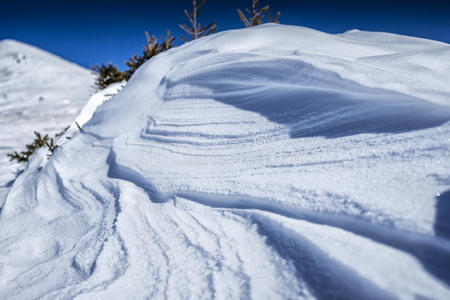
(167, 41)
(243, 18)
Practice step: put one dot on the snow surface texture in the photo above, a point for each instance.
(38, 92)
(275, 162)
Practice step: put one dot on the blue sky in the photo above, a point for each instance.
(96, 31)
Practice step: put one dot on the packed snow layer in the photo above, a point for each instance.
(38, 92)
(275, 162)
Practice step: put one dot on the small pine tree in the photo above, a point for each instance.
(108, 74)
(257, 15)
(37, 143)
(151, 49)
(197, 30)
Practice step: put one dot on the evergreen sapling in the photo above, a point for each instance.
(196, 30)
(257, 15)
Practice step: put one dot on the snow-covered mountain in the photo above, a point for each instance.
(274, 162)
(38, 92)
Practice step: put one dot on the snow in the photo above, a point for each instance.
(38, 92)
(95, 101)
(274, 162)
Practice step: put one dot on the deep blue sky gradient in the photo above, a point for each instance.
(96, 31)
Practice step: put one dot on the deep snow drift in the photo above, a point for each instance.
(275, 162)
(38, 92)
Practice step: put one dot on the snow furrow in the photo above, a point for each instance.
(327, 278)
(434, 254)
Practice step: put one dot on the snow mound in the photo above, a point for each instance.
(274, 162)
(38, 92)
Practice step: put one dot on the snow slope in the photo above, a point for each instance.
(38, 92)
(275, 162)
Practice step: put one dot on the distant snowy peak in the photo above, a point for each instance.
(27, 72)
(19, 52)
(37, 87)
(39, 91)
